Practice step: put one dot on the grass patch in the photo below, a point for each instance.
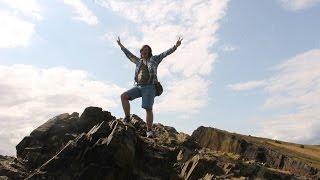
(278, 142)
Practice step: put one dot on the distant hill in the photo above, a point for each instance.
(96, 145)
(296, 158)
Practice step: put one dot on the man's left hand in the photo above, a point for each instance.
(178, 43)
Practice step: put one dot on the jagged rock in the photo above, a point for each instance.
(48, 139)
(199, 166)
(185, 154)
(116, 155)
(254, 171)
(11, 168)
(92, 116)
(98, 146)
(116, 150)
(219, 140)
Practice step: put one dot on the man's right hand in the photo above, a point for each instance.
(119, 42)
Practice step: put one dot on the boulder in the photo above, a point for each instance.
(96, 145)
(11, 168)
(48, 139)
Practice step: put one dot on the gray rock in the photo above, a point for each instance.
(98, 146)
(48, 139)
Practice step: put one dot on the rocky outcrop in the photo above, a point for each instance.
(98, 146)
(219, 140)
(11, 168)
(48, 139)
(214, 165)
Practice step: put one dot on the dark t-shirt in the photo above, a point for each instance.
(143, 75)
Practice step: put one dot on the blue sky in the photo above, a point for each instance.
(244, 66)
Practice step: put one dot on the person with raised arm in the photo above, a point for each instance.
(145, 79)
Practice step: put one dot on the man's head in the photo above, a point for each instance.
(146, 52)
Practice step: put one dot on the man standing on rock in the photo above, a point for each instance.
(145, 78)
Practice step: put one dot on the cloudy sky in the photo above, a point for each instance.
(250, 67)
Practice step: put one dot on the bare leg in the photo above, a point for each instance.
(125, 104)
(149, 119)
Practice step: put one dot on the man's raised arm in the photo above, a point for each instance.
(169, 51)
(129, 55)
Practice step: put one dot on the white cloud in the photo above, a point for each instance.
(30, 96)
(17, 19)
(296, 83)
(296, 5)
(247, 85)
(30, 8)
(184, 95)
(294, 93)
(82, 13)
(300, 127)
(229, 48)
(14, 31)
(159, 23)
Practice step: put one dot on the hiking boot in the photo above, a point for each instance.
(126, 119)
(150, 134)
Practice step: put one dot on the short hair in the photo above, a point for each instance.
(149, 48)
